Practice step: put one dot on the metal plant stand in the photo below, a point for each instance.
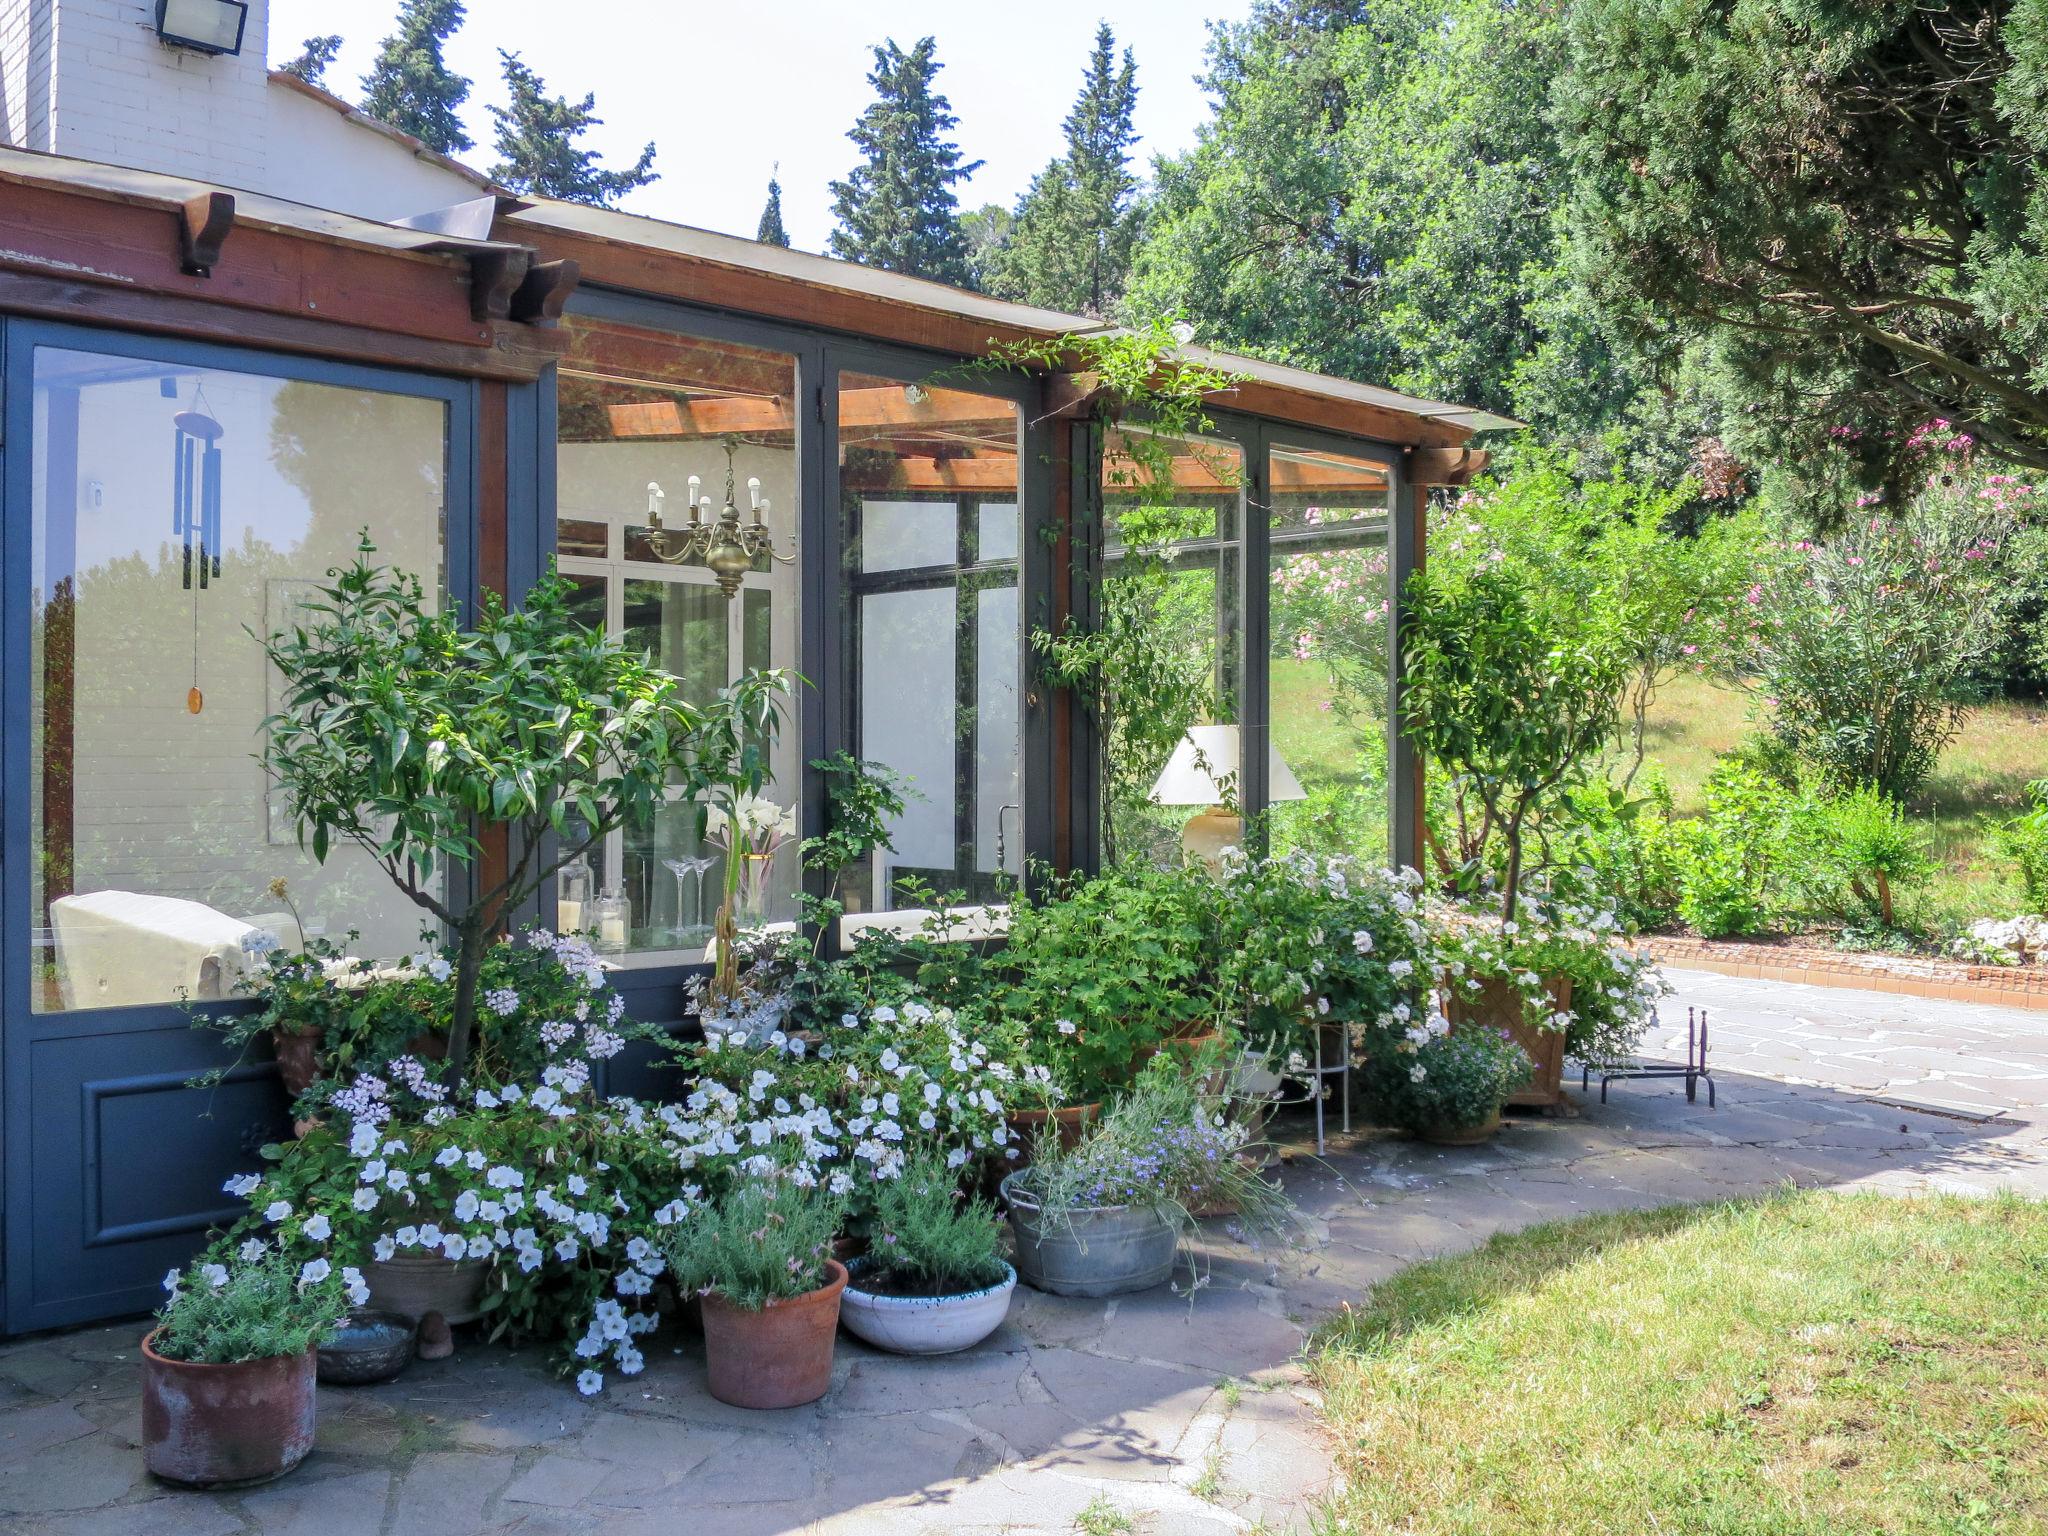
(1695, 1070)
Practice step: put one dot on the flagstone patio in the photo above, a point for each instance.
(1189, 1418)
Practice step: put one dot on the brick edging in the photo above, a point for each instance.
(1909, 976)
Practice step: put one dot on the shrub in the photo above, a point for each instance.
(1866, 852)
(226, 1313)
(1450, 1081)
(1623, 850)
(1862, 647)
(2024, 840)
(768, 1239)
(1731, 858)
(927, 1238)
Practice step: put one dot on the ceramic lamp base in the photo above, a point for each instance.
(1208, 833)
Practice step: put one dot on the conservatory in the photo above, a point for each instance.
(739, 456)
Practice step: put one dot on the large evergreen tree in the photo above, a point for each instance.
(1378, 196)
(1838, 214)
(315, 54)
(1070, 244)
(771, 231)
(411, 87)
(537, 148)
(897, 209)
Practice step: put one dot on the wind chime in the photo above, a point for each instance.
(195, 511)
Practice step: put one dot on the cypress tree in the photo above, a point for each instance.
(537, 150)
(411, 86)
(896, 209)
(771, 231)
(315, 54)
(1070, 245)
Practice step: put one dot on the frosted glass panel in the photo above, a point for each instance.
(998, 785)
(907, 535)
(908, 638)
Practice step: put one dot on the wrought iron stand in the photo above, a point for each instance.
(1695, 1070)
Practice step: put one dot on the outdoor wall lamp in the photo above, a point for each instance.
(725, 546)
(211, 26)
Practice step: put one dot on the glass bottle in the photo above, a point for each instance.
(613, 920)
(573, 885)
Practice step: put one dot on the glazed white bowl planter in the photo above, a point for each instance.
(924, 1325)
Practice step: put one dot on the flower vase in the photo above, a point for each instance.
(756, 872)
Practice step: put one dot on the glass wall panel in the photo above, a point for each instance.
(1332, 607)
(650, 419)
(934, 630)
(1167, 704)
(176, 510)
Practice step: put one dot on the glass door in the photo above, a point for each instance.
(932, 637)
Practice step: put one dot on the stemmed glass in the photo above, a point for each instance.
(679, 868)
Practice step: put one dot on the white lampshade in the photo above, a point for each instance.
(1209, 754)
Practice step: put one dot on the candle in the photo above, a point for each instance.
(568, 915)
(613, 931)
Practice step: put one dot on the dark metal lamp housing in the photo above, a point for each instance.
(211, 26)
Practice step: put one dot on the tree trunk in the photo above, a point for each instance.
(469, 965)
(1513, 834)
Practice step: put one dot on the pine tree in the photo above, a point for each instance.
(411, 86)
(896, 209)
(537, 150)
(315, 54)
(1070, 245)
(771, 231)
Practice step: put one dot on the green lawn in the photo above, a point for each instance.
(1982, 776)
(1805, 1364)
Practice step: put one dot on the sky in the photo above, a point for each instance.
(726, 91)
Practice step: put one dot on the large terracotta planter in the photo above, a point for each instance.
(1445, 1135)
(778, 1357)
(415, 1284)
(225, 1426)
(298, 1058)
(1028, 1125)
(1497, 1005)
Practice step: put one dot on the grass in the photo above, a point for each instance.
(1102, 1518)
(1811, 1364)
(1982, 777)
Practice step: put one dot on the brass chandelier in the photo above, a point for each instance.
(725, 545)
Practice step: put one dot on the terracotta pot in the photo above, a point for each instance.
(1190, 1040)
(415, 1284)
(298, 1058)
(1462, 1135)
(778, 1357)
(846, 1248)
(1029, 1124)
(225, 1426)
(1497, 1005)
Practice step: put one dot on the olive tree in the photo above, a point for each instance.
(414, 737)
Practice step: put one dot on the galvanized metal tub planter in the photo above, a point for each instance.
(1105, 1250)
(923, 1325)
(225, 1426)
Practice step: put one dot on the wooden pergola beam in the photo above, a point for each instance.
(1445, 466)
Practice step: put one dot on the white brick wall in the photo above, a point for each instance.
(90, 78)
(125, 98)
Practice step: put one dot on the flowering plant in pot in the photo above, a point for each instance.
(532, 1209)
(760, 1256)
(1448, 1088)
(228, 1371)
(1101, 972)
(1109, 1215)
(1316, 944)
(933, 1280)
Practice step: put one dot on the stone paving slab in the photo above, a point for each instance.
(1189, 1418)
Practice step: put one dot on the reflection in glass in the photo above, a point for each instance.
(645, 408)
(1332, 607)
(157, 846)
(1168, 609)
(932, 535)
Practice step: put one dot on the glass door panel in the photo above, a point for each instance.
(932, 532)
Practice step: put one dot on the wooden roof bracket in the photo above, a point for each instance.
(203, 225)
(1071, 396)
(495, 274)
(1444, 466)
(543, 291)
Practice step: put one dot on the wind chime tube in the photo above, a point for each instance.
(181, 495)
(209, 532)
